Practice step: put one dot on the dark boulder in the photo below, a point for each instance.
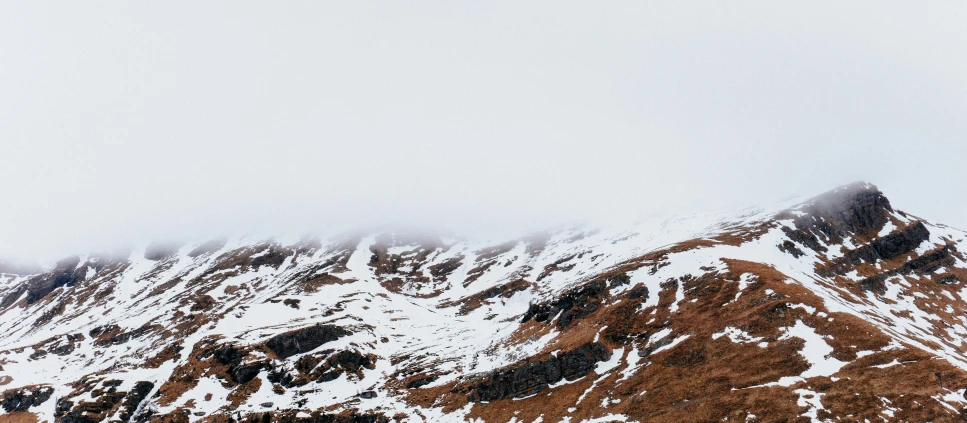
(638, 292)
(228, 354)
(619, 279)
(304, 340)
(246, 372)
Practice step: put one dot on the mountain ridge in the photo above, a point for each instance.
(832, 309)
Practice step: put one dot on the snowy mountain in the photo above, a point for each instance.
(839, 308)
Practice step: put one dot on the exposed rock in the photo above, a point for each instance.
(135, 396)
(106, 336)
(304, 340)
(203, 302)
(228, 354)
(645, 352)
(274, 257)
(246, 372)
(442, 270)
(531, 378)
(505, 290)
(619, 279)
(572, 304)
(638, 292)
(854, 209)
(421, 381)
(315, 417)
(63, 349)
(21, 399)
(100, 330)
(947, 280)
(925, 264)
(107, 401)
(791, 248)
(66, 273)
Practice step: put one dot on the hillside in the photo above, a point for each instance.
(839, 308)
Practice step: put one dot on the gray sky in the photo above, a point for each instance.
(129, 119)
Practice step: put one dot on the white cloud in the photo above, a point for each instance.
(121, 120)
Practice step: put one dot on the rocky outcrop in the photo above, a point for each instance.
(106, 401)
(854, 209)
(66, 273)
(135, 396)
(108, 335)
(505, 290)
(420, 381)
(324, 366)
(890, 246)
(315, 417)
(925, 264)
(531, 378)
(22, 399)
(304, 340)
(572, 304)
(274, 257)
(245, 372)
(238, 371)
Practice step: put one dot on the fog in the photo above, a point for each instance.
(128, 121)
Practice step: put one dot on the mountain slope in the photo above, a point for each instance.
(839, 308)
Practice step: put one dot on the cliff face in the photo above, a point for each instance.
(837, 308)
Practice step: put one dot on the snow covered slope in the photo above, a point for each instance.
(839, 308)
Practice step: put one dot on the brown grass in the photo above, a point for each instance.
(19, 417)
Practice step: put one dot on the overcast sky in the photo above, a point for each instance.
(129, 120)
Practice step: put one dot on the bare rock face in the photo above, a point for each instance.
(65, 274)
(853, 209)
(531, 378)
(314, 418)
(135, 396)
(573, 304)
(24, 398)
(304, 340)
